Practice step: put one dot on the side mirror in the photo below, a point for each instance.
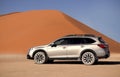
(53, 45)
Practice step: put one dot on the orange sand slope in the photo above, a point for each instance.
(20, 31)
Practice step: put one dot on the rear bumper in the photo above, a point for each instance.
(107, 55)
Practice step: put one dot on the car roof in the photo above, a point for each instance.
(80, 36)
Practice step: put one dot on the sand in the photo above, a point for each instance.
(23, 30)
(16, 65)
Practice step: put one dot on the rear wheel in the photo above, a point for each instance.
(89, 58)
(40, 58)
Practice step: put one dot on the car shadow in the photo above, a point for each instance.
(79, 62)
(66, 62)
(108, 63)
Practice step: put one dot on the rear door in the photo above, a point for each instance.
(73, 48)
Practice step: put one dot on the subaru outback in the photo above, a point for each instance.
(87, 48)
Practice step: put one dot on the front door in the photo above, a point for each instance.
(59, 50)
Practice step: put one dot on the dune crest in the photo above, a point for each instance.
(20, 31)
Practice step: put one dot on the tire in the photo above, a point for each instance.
(40, 58)
(89, 58)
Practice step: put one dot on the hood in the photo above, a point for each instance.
(42, 46)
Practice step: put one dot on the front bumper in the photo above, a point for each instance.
(28, 57)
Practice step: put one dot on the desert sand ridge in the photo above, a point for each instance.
(9, 14)
(114, 46)
(23, 30)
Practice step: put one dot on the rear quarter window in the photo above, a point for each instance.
(88, 41)
(101, 40)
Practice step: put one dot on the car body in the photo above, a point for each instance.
(86, 47)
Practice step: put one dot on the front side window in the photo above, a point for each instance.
(61, 42)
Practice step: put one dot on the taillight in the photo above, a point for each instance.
(102, 45)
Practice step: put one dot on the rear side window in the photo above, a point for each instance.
(88, 40)
(74, 41)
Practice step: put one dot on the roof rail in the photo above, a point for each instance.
(81, 35)
(90, 35)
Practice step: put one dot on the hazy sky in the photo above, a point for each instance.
(101, 15)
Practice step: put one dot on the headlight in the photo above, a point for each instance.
(30, 50)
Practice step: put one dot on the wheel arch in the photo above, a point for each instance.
(40, 50)
(88, 50)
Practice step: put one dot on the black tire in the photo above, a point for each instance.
(89, 58)
(40, 58)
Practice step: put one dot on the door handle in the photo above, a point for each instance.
(82, 46)
(64, 47)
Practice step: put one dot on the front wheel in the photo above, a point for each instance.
(40, 58)
(89, 58)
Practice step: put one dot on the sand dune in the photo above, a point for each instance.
(20, 31)
(9, 14)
